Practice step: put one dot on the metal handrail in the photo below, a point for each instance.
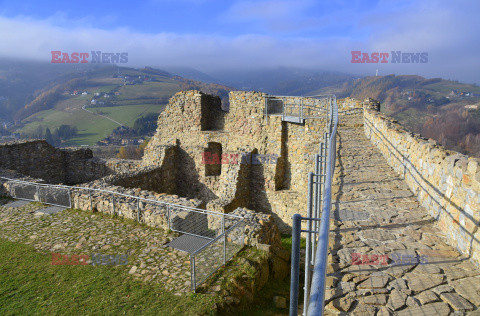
(239, 219)
(216, 238)
(298, 106)
(316, 186)
(201, 249)
(317, 291)
(125, 195)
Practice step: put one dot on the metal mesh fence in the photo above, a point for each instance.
(207, 260)
(292, 109)
(296, 106)
(195, 222)
(216, 253)
(54, 195)
(274, 106)
(24, 191)
(234, 238)
(225, 232)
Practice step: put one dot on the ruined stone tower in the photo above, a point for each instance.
(273, 179)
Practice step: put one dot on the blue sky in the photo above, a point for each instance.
(211, 35)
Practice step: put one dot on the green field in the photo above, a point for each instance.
(132, 102)
(31, 285)
(91, 128)
(165, 87)
(445, 87)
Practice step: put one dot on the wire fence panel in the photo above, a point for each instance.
(223, 233)
(274, 106)
(38, 192)
(193, 222)
(54, 195)
(234, 240)
(215, 254)
(208, 260)
(292, 109)
(297, 107)
(24, 191)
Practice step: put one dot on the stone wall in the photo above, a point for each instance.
(445, 182)
(152, 214)
(159, 177)
(116, 165)
(278, 188)
(38, 159)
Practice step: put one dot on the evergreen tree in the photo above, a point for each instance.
(49, 137)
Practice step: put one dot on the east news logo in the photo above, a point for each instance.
(97, 57)
(396, 57)
(96, 259)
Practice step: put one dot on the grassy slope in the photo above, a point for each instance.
(30, 285)
(445, 87)
(134, 99)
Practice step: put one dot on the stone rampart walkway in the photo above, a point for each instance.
(389, 257)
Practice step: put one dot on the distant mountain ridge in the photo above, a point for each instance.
(193, 74)
(444, 110)
(284, 80)
(27, 87)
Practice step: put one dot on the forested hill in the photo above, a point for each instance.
(447, 111)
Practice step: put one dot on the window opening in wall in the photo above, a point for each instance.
(213, 154)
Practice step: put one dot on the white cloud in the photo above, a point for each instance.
(452, 47)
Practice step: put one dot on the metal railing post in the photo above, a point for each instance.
(308, 250)
(138, 210)
(38, 193)
(113, 204)
(325, 151)
(194, 283)
(316, 178)
(322, 183)
(224, 241)
(91, 201)
(168, 216)
(327, 120)
(266, 109)
(301, 108)
(266, 105)
(295, 269)
(331, 117)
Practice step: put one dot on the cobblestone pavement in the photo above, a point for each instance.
(389, 257)
(84, 233)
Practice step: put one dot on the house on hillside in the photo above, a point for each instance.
(453, 93)
(128, 141)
